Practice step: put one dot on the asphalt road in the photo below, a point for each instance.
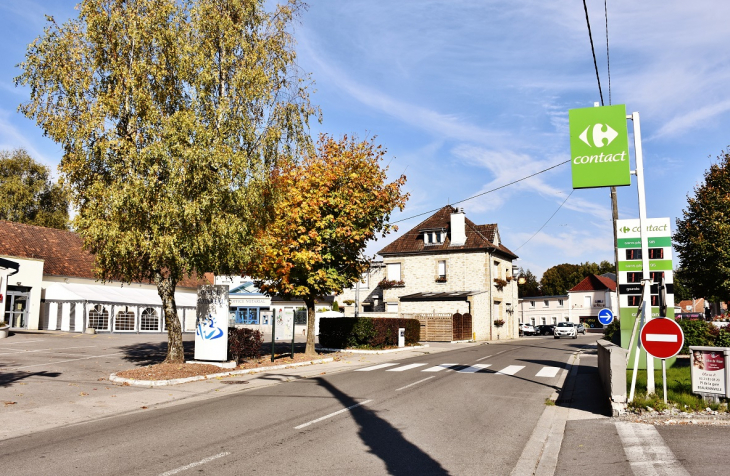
(417, 416)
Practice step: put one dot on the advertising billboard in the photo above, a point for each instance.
(211, 329)
(599, 147)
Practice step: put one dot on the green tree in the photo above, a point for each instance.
(172, 115)
(702, 237)
(27, 194)
(530, 287)
(681, 291)
(559, 279)
(334, 201)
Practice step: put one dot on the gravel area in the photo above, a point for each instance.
(174, 371)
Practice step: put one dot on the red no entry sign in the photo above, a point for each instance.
(662, 338)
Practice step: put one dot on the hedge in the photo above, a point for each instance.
(366, 332)
(244, 343)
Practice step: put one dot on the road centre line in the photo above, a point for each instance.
(197, 463)
(331, 415)
(414, 383)
(479, 360)
(18, 351)
(63, 361)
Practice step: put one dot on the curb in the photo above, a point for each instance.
(175, 381)
(360, 351)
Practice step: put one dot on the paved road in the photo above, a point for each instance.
(468, 411)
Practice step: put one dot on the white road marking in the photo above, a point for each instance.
(646, 451)
(414, 383)
(19, 351)
(474, 368)
(405, 367)
(510, 370)
(548, 372)
(661, 337)
(331, 415)
(22, 342)
(62, 361)
(479, 360)
(375, 367)
(439, 368)
(192, 465)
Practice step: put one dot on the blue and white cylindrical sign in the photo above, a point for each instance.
(605, 316)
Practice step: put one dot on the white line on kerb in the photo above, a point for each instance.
(197, 463)
(661, 337)
(331, 415)
(414, 383)
(647, 452)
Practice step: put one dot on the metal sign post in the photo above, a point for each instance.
(293, 333)
(273, 333)
(639, 172)
(662, 338)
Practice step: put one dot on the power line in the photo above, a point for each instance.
(548, 220)
(484, 193)
(608, 56)
(595, 63)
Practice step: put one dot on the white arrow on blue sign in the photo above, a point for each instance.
(605, 316)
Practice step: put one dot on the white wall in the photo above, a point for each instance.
(29, 274)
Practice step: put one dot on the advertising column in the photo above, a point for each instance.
(630, 270)
(211, 330)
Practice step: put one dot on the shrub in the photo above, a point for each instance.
(722, 339)
(342, 333)
(244, 343)
(695, 333)
(612, 332)
(335, 307)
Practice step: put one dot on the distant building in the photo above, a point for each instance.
(591, 295)
(542, 310)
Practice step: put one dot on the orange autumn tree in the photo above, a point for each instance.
(332, 203)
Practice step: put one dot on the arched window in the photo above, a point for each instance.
(150, 320)
(99, 318)
(124, 320)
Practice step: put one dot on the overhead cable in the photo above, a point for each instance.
(593, 50)
(548, 220)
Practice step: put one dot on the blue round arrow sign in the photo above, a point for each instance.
(605, 316)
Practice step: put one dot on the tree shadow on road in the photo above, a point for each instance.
(386, 442)
(7, 379)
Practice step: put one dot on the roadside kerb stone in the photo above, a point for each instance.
(375, 352)
(159, 383)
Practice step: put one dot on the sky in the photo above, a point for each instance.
(470, 95)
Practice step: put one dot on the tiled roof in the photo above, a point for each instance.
(60, 250)
(478, 237)
(595, 283)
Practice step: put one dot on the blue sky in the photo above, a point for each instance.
(468, 95)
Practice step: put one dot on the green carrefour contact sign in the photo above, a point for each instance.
(599, 147)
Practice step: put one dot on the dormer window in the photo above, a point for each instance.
(429, 238)
(433, 237)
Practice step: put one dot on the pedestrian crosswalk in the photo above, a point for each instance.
(544, 372)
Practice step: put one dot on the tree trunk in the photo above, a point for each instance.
(166, 290)
(309, 350)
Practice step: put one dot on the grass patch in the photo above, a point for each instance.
(549, 402)
(679, 391)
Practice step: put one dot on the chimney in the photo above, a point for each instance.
(458, 228)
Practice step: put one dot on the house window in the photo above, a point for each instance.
(442, 268)
(496, 270)
(566, 319)
(439, 237)
(560, 303)
(391, 307)
(546, 303)
(394, 272)
(555, 320)
(429, 238)
(247, 315)
(532, 321)
(586, 301)
(532, 304)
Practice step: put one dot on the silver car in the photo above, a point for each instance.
(565, 329)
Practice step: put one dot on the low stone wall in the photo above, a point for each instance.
(612, 370)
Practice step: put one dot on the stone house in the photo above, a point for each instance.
(447, 264)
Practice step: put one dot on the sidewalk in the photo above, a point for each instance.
(51, 379)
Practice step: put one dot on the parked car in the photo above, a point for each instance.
(527, 329)
(580, 328)
(565, 329)
(545, 329)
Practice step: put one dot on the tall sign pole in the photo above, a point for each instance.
(646, 299)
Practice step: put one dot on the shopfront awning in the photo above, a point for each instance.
(113, 294)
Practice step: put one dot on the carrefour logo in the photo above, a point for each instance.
(625, 229)
(598, 135)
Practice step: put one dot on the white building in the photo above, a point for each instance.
(542, 310)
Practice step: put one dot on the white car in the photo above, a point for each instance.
(527, 329)
(565, 329)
